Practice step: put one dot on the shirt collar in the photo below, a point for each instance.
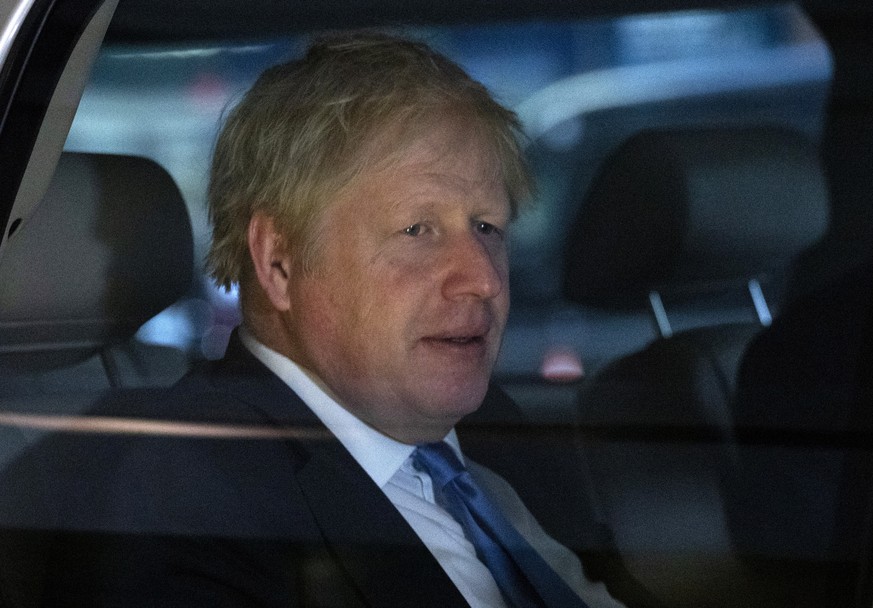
(379, 455)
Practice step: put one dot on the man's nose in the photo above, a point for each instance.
(473, 268)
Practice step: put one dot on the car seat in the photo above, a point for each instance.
(697, 225)
(706, 220)
(801, 491)
(108, 247)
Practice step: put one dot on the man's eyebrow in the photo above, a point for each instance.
(416, 201)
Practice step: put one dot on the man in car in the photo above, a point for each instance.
(361, 199)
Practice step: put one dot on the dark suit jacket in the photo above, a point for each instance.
(165, 520)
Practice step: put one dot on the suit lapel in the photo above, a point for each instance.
(379, 551)
(384, 559)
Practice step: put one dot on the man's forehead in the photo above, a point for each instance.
(454, 148)
(433, 183)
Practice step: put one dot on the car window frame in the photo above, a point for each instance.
(51, 51)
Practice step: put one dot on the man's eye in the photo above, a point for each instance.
(486, 228)
(413, 230)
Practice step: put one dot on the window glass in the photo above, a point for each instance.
(581, 88)
(686, 346)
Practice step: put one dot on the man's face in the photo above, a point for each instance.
(403, 317)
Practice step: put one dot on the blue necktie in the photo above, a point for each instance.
(523, 576)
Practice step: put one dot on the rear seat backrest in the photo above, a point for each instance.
(692, 215)
(108, 248)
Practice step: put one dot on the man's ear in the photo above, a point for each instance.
(271, 259)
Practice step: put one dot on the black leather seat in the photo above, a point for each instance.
(697, 225)
(802, 489)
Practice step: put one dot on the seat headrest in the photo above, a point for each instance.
(687, 208)
(108, 247)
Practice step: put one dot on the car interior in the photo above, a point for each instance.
(698, 259)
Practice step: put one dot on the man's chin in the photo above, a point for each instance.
(433, 422)
(458, 402)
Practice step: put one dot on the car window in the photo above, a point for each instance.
(166, 104)
(683, 381)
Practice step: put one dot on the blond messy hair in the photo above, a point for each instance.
(299, 136)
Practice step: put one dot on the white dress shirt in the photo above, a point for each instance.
(389, 464)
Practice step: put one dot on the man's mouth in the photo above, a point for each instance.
(463, 339)
(457, 340)
(472, 336)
